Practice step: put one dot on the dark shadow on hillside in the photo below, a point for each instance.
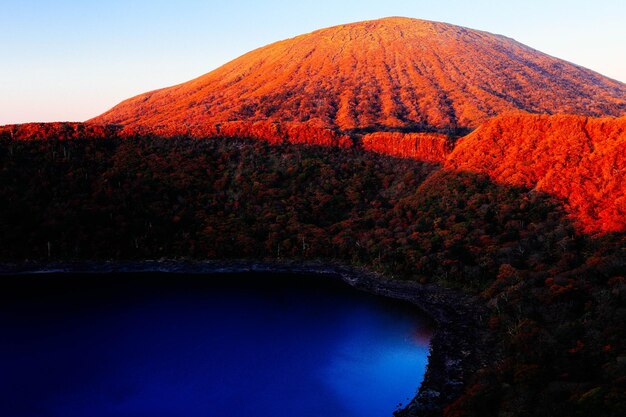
(226, 198)
(553, 294)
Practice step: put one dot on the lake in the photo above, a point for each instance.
(231, 345)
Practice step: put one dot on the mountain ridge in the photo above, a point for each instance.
(578, 159)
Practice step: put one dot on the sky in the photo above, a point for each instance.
(70, 60)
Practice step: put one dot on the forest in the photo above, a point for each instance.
(556, 296)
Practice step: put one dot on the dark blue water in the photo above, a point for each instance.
(227, 345)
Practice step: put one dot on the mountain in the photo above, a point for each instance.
(395, 74)
(408, 88)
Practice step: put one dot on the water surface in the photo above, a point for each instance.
(221, 345)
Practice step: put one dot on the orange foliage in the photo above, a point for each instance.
(580, 160)
(431, 147)
(59, 130)
(577, 159)
(274, 133)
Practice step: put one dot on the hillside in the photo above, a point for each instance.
(580, 160)
(388, 74)
(554, 296)
(577, 159)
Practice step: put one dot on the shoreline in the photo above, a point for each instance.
(457, 348)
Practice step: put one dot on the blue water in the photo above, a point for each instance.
(158, 345)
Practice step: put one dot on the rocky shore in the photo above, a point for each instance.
(457, 350)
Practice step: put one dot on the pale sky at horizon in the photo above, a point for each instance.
(72, 60)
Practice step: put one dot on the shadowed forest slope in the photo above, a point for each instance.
(580, 160)
(554, 296)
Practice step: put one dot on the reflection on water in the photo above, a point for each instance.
(221, 345)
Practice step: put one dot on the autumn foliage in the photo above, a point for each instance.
(58, 131)
(554, 297)
(431, 147)
(578, 159)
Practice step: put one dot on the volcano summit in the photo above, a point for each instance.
(389, 74)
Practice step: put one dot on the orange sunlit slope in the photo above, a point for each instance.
(387, 74)
(581, 160)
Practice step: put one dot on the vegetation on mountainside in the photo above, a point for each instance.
(578, 159)
(556, 296)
